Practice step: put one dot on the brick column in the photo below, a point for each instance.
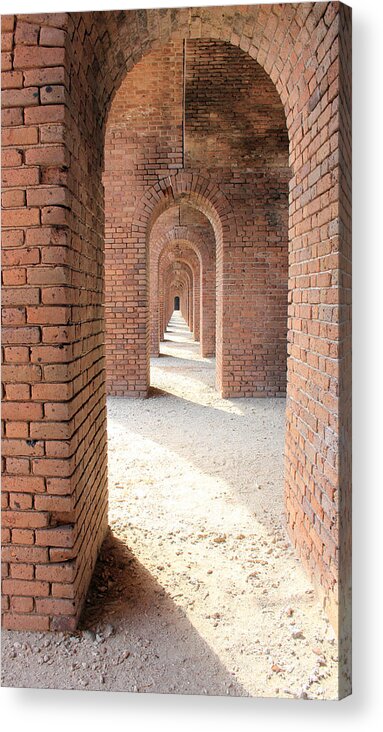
(54, 485)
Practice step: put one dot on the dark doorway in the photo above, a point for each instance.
(176, 303)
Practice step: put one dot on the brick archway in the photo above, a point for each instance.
(206, 197)
(205, 301)
(167, 235)
(171, 257)
(184, 276)
(55, 436)
(190, 188)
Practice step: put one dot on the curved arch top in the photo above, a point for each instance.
(265, 34)
(194, 189)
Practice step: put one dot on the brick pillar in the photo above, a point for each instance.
(196, 302)
(207, 307)
(54, 485)
(318, 442)
(254, 296)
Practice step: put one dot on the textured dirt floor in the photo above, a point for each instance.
(197, 589)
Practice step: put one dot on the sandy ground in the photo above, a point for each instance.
(197, 589)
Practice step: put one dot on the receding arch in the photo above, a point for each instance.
(183, 186)
(294, 25)
(167, 235)
(171, 256)
(205, 196)
(181, 275)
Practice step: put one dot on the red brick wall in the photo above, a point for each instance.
(236, 132)
(319, 315)
(345, 367)
(54, 449)
(232, 130)
(143, 141)
(60, 73)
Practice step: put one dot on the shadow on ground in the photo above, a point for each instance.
(175, 657)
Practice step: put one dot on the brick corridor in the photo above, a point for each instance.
(198, 578)
(127, 138)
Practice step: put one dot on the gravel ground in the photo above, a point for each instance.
(197, 589)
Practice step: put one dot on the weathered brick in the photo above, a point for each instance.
(20, 296)
(22, 604)
(28, 58)
(21, 177)
(22, 571)
(18, 257)
(17, 466)
(46, 155)
(16, 354)
(20, 501)
(27, 33)
(56, 606)
(20, 136)
(10, 199)
(26, 588)
(7, 23)
(12, 80)
(45, 315)
(52, 468)
(16, 429)
(22, 411)
(62, 536)
(10, 117)
(22, 536)
(6, 61)
(44, 196)
(23, 484)
(52, 94)
(31, 554)
(6, 41)
(20, 621)
(65, 572)
(17, 391)
(41, 77)
(26, 373)
(21, 217)
(52, 37)
(20, 97)
(44, 114)
(19, 335)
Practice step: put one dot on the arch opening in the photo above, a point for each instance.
(183, 232)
